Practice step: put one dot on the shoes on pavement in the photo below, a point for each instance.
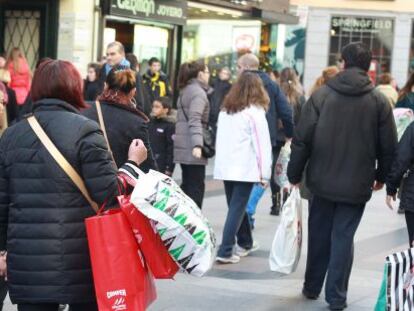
(338, 307)
(228, 260)
(242, 252)
(276, 204)
(309, 295)
(274, 211)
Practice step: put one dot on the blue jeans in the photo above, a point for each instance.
(237, 222)
(332, 227)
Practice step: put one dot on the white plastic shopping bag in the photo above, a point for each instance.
(186, 233)
(287, 243)
(281, 166)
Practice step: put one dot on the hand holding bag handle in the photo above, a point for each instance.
(60, 159)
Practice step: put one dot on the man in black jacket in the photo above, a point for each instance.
(347, 136)
(279, 108)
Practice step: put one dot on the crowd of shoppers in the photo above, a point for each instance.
(119, 119)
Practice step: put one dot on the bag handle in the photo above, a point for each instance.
(60, 159)
(103, 128)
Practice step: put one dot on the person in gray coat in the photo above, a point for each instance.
(193, 111)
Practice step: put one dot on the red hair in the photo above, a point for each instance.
(58, 79)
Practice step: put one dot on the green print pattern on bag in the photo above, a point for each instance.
(185, 232)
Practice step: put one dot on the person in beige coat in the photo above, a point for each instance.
(386, 88)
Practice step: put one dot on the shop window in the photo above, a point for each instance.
(22, 29)
(376, 33)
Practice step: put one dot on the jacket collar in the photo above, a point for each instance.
(207, 88)
(51, 104)
(136, 111)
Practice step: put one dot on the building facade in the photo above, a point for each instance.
(386, 26)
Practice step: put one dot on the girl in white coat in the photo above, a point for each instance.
(243, 157)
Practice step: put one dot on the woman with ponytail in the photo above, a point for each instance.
(291, 87)
(122, 121)
(193, 114)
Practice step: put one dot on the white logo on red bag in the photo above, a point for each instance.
(119, 303)
(138, 236)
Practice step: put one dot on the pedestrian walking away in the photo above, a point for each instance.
(121, 120)
(406, 95)
(402, 170)
(221, 86)
(243, 158)
(387, 89)
(279, 108)
(345, 114)
(42, 212)
(192, 116)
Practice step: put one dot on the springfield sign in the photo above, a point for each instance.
(171, 11)
(362, 24)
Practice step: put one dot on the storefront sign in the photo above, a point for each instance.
(362, 24)
(170, 11)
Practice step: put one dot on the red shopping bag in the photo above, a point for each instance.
(155, 253)
(121, 276)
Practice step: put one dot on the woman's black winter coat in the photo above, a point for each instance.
(123, 125)
(403, 166)
(42, 212)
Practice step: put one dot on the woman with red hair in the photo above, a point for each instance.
(20, 75)
(42, 211)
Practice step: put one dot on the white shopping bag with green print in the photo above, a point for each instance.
(184, 230)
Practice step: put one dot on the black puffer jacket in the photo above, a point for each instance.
(161, 133)
(403, 166)
(123, 125)
(344, 129)
(41, 210)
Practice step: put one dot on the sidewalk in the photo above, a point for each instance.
(251, 286)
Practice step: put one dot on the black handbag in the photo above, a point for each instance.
(209, 138)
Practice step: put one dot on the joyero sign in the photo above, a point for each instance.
(172, 11)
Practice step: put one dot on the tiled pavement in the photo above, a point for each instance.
(251, 286)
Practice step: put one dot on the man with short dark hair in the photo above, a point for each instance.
(347, 137)
(156, 81)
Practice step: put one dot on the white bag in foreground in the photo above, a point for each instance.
(287, 244)
(184, 230)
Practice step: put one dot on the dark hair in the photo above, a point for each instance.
(58, 79)
(96, 67)
(407, 89)
(248, 90)
(165, 101)
(121, 78)
(385, 79)
(40, 61)
(153, 60)
(133, 60)
(357, 54)
(189, 71)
